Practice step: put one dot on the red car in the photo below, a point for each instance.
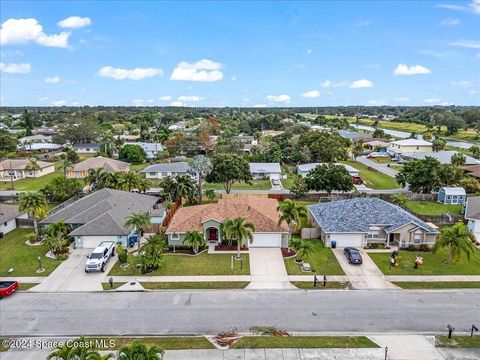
(357, 180)
(7, 288)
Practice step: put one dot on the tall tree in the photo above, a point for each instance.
(357, 150)
(132, 153)
(238, 230)
(138, 221)
(329, 177)
(195, 239)
(325, 146)
(129, 181)
(184, 188)
(35, 205)
(458, 159)
(138, 351)
(422, 176)
(293, 214)
(228, 169)
(33, 165)
(201, 166)
(457, 239)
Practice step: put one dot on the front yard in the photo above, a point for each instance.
(203, 264)
(433, 208)
(373, 179)
(262, 342)
(433, 264)
(23, 258)
(31, 184)
(322, 260)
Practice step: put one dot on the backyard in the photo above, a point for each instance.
(255, 185)
(32, 184)
(202, 264)
(322, 260)
(433, 264)
(373, 179)
(23, 258)
(433, 208)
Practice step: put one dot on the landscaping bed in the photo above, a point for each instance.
(458, 341)
(432, 208)
(269, 342)
(232, 247)
(308, 285)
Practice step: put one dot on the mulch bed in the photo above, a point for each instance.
(229, 248)
(181, 251)
(286, 253)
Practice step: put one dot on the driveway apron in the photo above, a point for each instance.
(267, 269)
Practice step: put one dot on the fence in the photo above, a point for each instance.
(153, 229)
(171, 212)
(24, 223)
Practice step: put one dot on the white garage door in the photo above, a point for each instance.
(266, 240)
(91, 242)
(345, 240)
(274, 176)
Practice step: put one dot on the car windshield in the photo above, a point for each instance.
(96, 256)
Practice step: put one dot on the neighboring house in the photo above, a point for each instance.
(304, 169)
(246, 141)
(173, 169)
(42, 147)
(452, 195)
(355, 136)
(8, 218)
(472, 170)
(90, 148)
(15, 169)
(49, 131)
(472, 214)
(266, 170)
(262, 212)
(272, 133)
(179, 125)
(359, 221)
(80, 170)
(375, 145)
(444, 156)
(410, 146)
(100, 216)
(151, 149)
(34, 138)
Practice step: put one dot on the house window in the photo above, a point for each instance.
(373, 233)
(175, 236)
(5, 224)
(417, 237)
(152, 174)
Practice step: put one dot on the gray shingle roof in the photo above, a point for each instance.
(358, 214)
(177, 167)
(473, 208)
(353, 135)
(8, 212)
(265, 168)
(103, 212)
(444, 156)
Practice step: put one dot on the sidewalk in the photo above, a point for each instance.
(25, 279)
(428, 278)
(182, 278)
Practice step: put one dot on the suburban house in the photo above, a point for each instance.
(359, 221)
(80, 170)
(452, 195)
(100, 216)
(355, 136)
(266, 170)
(91, 148)
(173, 169)
(444, 156)
(410, 146)
(472, 170)
(151, 149)
(34, 139)
(376, 145)
(208, 219)
(472, 214)
(246, 141)
(8, 218)
(15, 169)
(304, 169)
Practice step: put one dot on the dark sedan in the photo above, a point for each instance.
(353, 255)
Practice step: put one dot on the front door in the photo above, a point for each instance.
(212, 234)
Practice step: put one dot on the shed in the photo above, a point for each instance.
(452, 195)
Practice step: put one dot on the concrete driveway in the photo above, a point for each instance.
(364, 276)
(267, 269)
(71, 276)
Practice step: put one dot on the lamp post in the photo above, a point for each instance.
(450, 330)
(474, 328)
(39, 263)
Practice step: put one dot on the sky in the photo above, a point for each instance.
(248, 54)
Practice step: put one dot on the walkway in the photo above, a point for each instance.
(267, 269)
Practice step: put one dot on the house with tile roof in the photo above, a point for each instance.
(208, 219)
(359, 221)
(80, 170)
(100, 216)
(16, 169)
(472, 215)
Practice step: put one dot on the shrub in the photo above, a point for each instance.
(31, 237)
(122, 254)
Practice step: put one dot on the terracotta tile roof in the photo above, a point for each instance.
(258, 210)
(110, 165)
(472, 170)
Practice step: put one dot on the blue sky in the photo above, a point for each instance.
(240, 53)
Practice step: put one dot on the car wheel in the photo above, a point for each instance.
(87, 271)
(113, 253)
(103, 267)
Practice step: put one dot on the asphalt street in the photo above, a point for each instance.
(207, 312)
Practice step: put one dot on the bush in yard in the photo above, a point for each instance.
(399, 198)
(122, 254)
(132, 153)
(31, 237)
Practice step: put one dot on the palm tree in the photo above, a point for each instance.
(33, 165)
(211, 194)
(152, 252)
(95, 177)
(457, 239)
(130, 180)
(304, 249)
(138, 221)
(139, 351)
(110, 180)
(184, 188)
(239, 230)
(292, 214)
(357, 150)
(62, 352)
(168, 185)
(59, 228)
(34, 203)
(195, 239)
(66, 164)
(200, 165)
(84, 352)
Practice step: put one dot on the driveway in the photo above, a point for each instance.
(267, 269)
(383, 168)
(71, 276)
(364, 276)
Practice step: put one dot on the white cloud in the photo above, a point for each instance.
(15, 68)
(363, 23)
(473, 7)
(279, 98)
(58, 103)
(132, 74)
(74, 22)
(401, 99)
(362, 83)
(177, 103)
(431, 101)
(247, 99)
(309, 51)
(203, 70)
(472, 92)
(166, 98)
(138, 102)
(23, 31)
(75, 103)
(189, 98)
(403, 69)
(449, 22)
(472, 44)
(330, 84)
(52, 80)
(311, 94)
(233, 78)
(260, 105)
(461, 83)
(42, 99)
(376, 102)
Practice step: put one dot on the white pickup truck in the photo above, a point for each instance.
(97, 260)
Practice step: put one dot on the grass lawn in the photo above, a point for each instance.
(31, 184)
(26, 286)
(374, 179)
(14, 253)
(412, 285)
(195, 285)
(260, 342)
(432, 264)
(166, 343)
(203, 264)
(457, 341)
(255, 185)
(308, 285)
(382, 160)
(288, 182)
(138, 167)
(322, 260)
(106, 286)
(433, 208)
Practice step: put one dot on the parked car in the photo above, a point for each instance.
(353, 255)
(357, 180)
(97, 260)
(7, 288)
(276, 182)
